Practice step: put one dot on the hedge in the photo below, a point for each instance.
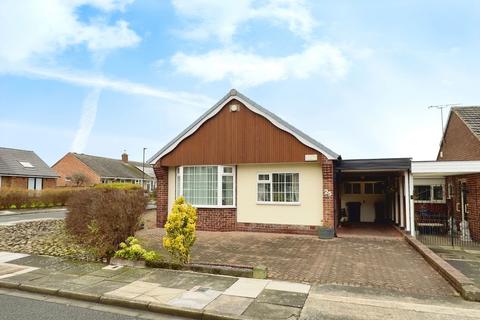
(21, 198)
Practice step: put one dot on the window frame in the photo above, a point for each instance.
(431, 200)
(270, 182)
(220, 175)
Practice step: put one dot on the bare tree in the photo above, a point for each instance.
(79, 179)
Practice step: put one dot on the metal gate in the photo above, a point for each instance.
(448, 228)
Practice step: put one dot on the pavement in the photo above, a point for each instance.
(207, 296)
(10, 217)
(193, 293)
(466, 261)
(43, 307)
(356, 262)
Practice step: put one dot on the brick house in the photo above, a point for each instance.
(245, 169)
(103, 170)
(450, 186)
(23, 169)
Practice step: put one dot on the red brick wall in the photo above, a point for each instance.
(216, 219)
(459, 142)
(473, 201)
(22, 182)
(49, 183)
(328, 193)
(69, 165)
(161, 173)
(15, 182)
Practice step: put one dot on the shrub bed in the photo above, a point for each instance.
(103, 217)
(21, 198)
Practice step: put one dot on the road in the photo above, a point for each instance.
(15, 305)
(40, 214)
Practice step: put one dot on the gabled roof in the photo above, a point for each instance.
(471, 117)
(255, 107)
(111, 168)
(10, 164)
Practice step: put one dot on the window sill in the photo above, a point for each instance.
(213, 207)
(430, 201)
(272, 203)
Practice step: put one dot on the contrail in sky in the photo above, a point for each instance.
(87, 120)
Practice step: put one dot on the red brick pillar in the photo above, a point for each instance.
(328, 194)
(161, 173)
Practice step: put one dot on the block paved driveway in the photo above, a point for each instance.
(371, 263)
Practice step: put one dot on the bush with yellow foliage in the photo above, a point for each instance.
(180, 230)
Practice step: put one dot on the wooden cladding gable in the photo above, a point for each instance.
(234, 137)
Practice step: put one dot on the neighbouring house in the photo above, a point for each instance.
(23, 169)
(447, 191)
(96, 170)
(245, 169)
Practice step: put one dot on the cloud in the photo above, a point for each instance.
(94, 81)
(31, 29)
(245, 69)
(87, 120)
(221, 19)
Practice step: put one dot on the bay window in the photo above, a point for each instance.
(206, 186)
(278, 188)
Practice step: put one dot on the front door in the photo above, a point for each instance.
(353, 211)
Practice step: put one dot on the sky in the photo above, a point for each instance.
(106, 76)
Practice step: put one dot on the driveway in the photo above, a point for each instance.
(355, 262)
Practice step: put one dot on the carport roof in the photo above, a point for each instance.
(387, 164)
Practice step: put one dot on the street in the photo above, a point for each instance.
(39, 214)
(15, 305)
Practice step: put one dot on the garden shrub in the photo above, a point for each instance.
(118, 185)
(102, 218)
(132, 250)
(180, 230)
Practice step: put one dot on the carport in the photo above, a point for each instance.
(372, 195)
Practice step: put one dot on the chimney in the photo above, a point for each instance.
(125, 157)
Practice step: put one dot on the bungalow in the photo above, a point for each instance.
(23, 169)
(97, 170)
(246, 169)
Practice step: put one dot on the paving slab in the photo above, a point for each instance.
(24, 277)
(57, 280)
(86, 280)
(197, 298)
(130, 274)
(10, 256)
(37, 261)
(102, 287)
(106, 273)
(288, 286)
(82, 268)
(188, 280)
(264, 311)
(229, 305)
(248, 288)
(160, 295)
(283, 298)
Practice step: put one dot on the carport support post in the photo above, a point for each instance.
(397, 220)
(410, 200)
(402, 202)
(406, 200)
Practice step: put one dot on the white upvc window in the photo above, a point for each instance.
(281, 187)
(206, 186)
(35, 183)
(428, 193)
